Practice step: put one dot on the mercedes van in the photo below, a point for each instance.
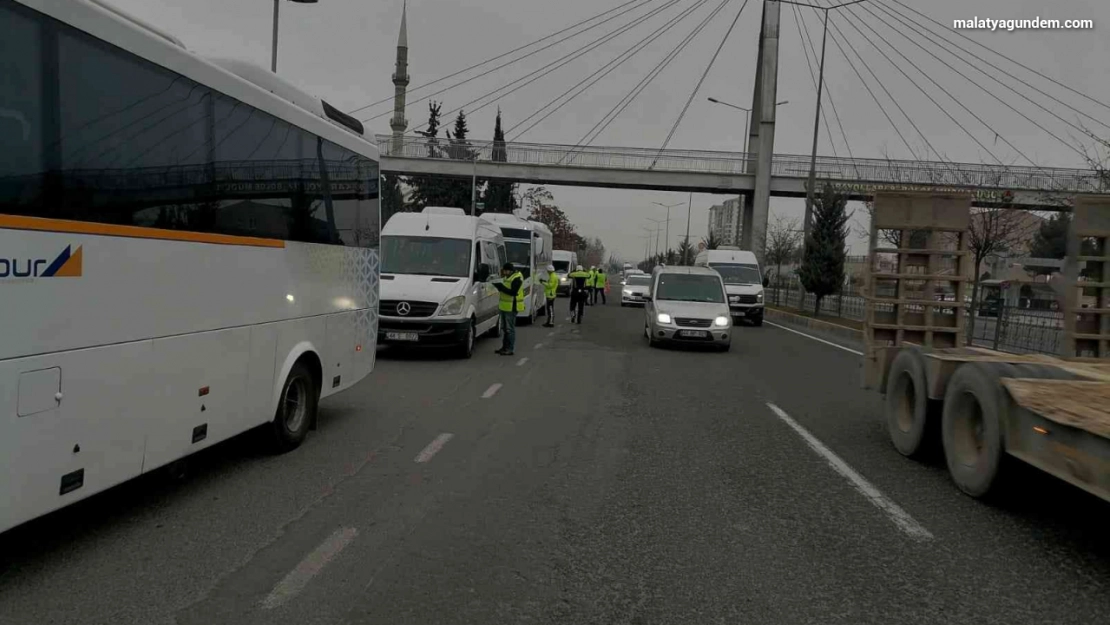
(436, 289)
(743, 280)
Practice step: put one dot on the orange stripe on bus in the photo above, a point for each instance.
(16, 222)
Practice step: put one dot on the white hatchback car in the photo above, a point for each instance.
(634, 291)
(688, 305)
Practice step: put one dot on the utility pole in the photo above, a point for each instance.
(808, 220)
(689, 206)
(810, 190)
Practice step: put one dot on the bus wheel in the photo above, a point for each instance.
(296, 410)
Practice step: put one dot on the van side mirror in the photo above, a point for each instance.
(766, 282)
(482, 273)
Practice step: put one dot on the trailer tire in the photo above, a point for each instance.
(972, 426)
(911, 418)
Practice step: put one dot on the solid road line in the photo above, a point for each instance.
(809, 336)
(491, 391)
(520, 363)
(308, 568)
(901, 518)
(433, 447)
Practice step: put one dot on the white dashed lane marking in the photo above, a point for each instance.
(433, 447)
(491, 391)
(310, 567)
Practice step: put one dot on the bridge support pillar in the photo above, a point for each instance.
(763, 130)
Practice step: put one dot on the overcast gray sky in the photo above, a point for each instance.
(343, 51)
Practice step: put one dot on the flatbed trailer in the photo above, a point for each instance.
(982, 406)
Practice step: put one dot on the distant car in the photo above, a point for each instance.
(635, 290)
(688, 305)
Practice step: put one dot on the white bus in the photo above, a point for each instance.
(188, 250)
(526, 252)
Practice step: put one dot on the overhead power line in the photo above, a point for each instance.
(503, 55)
(558, 63)
(641, 4)
(701, 80)
(981, 87)
(947, 40)
(1019, 64)
(954, 99)
(629, 97)
(611, 65)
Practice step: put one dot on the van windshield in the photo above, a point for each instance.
(735, 273)
(682, 287)
(426, 256)
(561, 266)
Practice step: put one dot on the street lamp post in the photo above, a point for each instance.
(806, 222)
(747, 113)
(658, 229)
(273, 55)
(668, 237)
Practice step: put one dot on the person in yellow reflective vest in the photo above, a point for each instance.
(510, 302)
(591, 282)
(578, 293)
(600, 282)
(550, 292)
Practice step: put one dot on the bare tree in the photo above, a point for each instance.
(993, 231)
(783, 241)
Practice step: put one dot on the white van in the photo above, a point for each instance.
(743, 280)
(524, 245)
(436, 268)
(564, 262)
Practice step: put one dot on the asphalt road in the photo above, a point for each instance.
(589, 479)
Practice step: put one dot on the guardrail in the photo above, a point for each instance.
(844, 170)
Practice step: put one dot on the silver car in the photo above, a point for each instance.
(634, 291)
(687, 305)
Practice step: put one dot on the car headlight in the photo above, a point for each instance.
(563, 279)
(721, 322)
(627, 291)
(663, 318)
(759, 296)
(453, 306)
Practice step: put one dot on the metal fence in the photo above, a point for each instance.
(1006, 328)
(836, 169)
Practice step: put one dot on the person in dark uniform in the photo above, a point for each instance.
(579, 293)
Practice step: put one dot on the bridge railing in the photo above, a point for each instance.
(843, 170)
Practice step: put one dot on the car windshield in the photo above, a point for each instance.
(681, 287)
(426, 256)
(638, 280)
(561, 266)
(520, 255)
(738, 274)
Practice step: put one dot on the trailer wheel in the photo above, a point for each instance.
(911, 418)
(971, 427)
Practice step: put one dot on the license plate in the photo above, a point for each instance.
(401, 336)
(693, 334)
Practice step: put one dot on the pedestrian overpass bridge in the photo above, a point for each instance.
(730, 172)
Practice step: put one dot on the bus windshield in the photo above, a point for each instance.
(426, 256)
(520, 255)
(738, 274)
